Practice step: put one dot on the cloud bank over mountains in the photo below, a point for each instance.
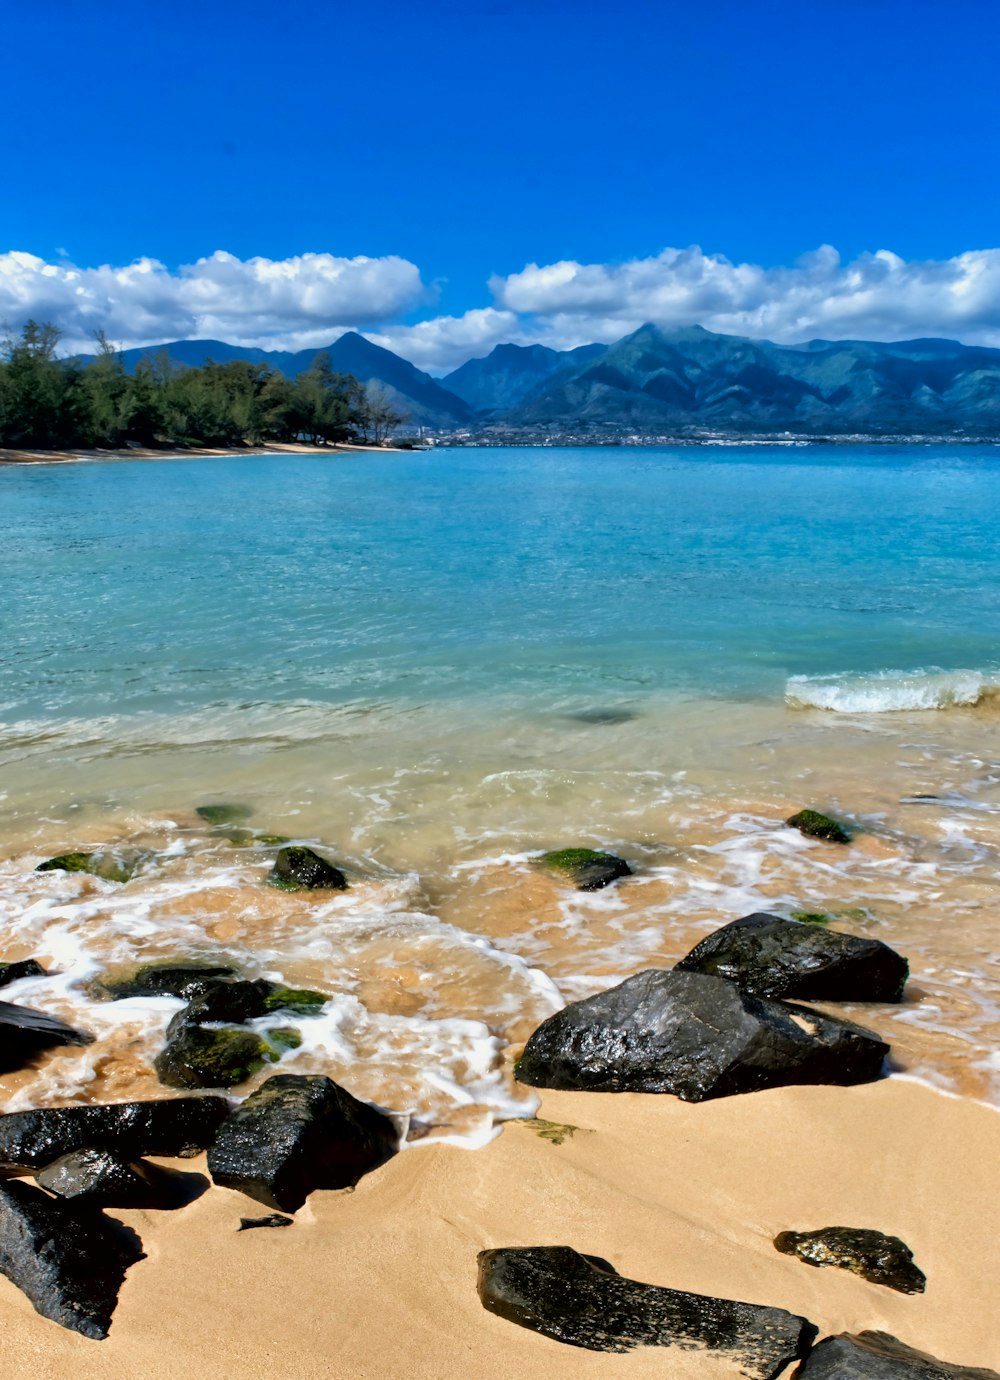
(310, 299)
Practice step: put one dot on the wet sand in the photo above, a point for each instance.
(381, 1281)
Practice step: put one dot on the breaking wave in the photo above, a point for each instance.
(886, 692)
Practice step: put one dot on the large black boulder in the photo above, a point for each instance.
(27, 967)
(69, 1261)
(580, 1300)
(100, 1178)
(166, 1126)
(297, 1133)
(300, 869)
(784, 958)
(25, 1033)
(879, 1356)
(878, 1258)
(587, 868)
(695, 1036)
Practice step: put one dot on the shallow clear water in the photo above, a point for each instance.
(432, 666)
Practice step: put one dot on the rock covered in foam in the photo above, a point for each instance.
(300, 869)
(25, 1033)
(696, 1036)
(587, 868)
(110, 864)
(69, 1261)
(580, 1300)
(165, 1126)
(879, 1356)
(774, 957)
(878, 1258)
(297, 1133)
(818, 826)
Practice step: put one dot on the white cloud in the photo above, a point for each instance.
(286, 303)
(876, 296)
(445, 342)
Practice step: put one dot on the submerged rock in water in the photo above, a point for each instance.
(101, 1178)
(273, 1219)
(879, 1259)
(817, 826)
(185, 980)
(695, 1036)
(225, 812)
(25, 1033)
(587, 868)
(297, 1133)
(198, 1056)
(879, 1356)
(70, 1262)
(784, 958)
(301, 1000)
(12, 972)
(300, 869)
(231, 1002)
(579, 1300)
(110, 864)
(166, 1126)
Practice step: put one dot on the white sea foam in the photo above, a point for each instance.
(885, 692)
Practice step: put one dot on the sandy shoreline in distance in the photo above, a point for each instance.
(380, 1282)
(85, 457)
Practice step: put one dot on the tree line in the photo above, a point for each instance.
(53, 403)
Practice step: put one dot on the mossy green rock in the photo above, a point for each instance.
(817, 826)
(284, 1038)
(878, 1258)
(299, 999)
(200, 1056)
(225, 812)
(587, 868)
(169, 979)
(300, 869)
(110, 864)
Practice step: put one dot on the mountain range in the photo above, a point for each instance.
(678, 382)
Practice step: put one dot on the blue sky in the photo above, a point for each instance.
(468, 141)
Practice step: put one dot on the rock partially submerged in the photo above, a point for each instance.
(110, 864)
(818, 826)
(200, 1056)
(696, 1036)
(70, 1262)
(297, 1133)
(168, 979)
(774, 957)
(587, 868)
(879, 1259)
(13, 972)
(224, 812)
(300, 869)
(100, 1178)
(879, 1356)
(26, 1033)
(580, 1300)
(166, 1126)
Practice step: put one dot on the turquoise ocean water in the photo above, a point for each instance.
(432, 666)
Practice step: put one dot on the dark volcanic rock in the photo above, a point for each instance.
(11, 972)
(25, 1032)
(273, 1219)
(784, 958)
(586, 868)
(879, 1356)
(574, 1298)
(111, 864)
(297, 1133)
(166, 1126)
(103, 1179)
(817, 826)
(232, 1002)
(224, 813)
(198, 1056)
(70, 1262)
(696, 1036)
(875, 1257)
(186, 980)
(300, 869)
